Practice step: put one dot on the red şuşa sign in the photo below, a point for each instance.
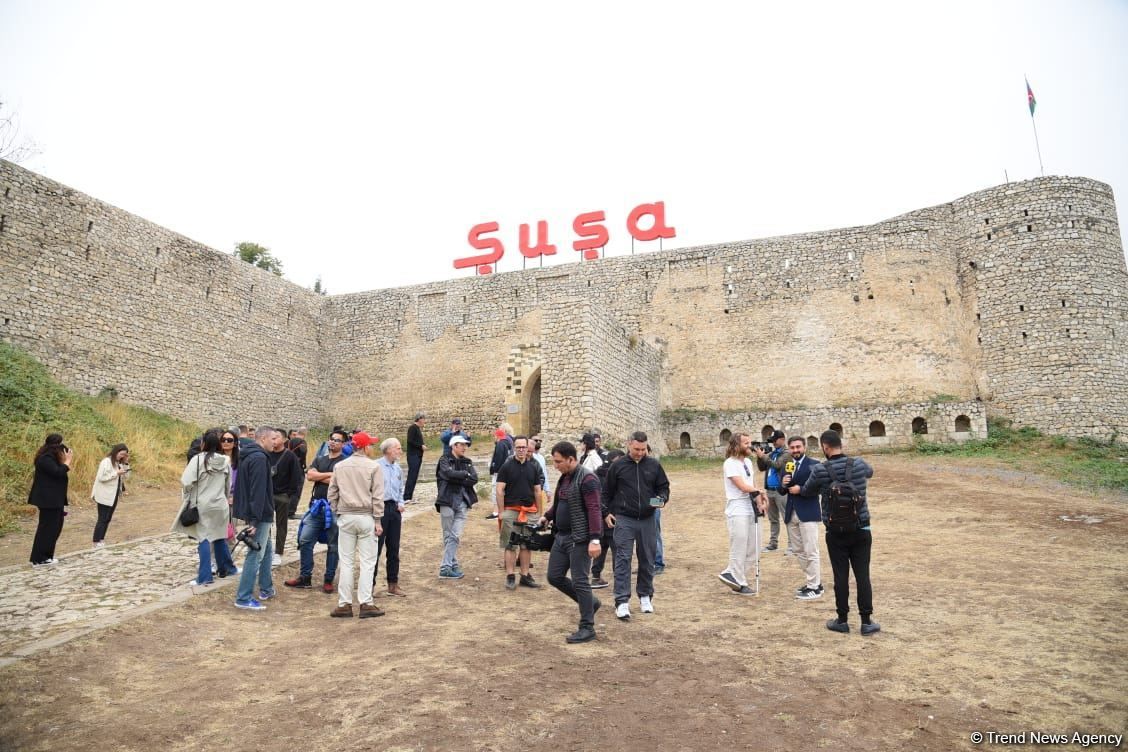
(591, 235)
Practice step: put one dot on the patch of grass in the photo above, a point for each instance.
(943, 398)
(32, 405)
(1081, 461)
(674, 462)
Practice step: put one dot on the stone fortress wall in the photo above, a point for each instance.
(955, 307)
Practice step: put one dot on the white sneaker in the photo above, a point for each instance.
(645, 604)
(100, 544)
(276, 561)
(623, 611)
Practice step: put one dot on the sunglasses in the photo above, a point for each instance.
(227, 441)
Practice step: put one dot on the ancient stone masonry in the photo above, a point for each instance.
(862, 428)
(109, 301)
(1010, 302)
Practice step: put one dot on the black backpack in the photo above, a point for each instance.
(843, 502)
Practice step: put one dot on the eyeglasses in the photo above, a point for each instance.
(336, 441)
(227, 441)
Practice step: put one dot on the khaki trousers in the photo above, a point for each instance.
(804, 537)
(356, 533)
(744, 547)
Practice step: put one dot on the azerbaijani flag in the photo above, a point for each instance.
(1030, 98)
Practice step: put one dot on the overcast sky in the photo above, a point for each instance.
(362, 141)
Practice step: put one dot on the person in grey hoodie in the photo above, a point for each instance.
(254, 502)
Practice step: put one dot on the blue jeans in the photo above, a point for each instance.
(311, 531)
(257, 564)
(453, 521)
(223, 562)
(659, 559)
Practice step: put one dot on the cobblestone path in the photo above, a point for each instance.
(42, 607)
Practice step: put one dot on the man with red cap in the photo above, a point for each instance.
(356, 496)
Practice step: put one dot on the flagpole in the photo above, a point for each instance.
(1037, 146)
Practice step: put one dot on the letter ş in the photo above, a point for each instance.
(590, 232)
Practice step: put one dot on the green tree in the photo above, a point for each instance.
(253, 253)
(317, 288)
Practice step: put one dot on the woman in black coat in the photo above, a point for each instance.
(49, 493)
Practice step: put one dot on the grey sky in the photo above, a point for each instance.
(361, 141)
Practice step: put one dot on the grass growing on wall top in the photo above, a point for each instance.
(32, 405)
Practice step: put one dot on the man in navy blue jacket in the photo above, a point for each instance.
(802, 517)
(254, 502)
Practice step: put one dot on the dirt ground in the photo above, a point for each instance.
(997, 616)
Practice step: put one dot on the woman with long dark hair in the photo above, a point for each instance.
(109, 485)
(229, 445)
(49, 493)
(206, 482)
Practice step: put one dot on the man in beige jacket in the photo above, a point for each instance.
(356, 496)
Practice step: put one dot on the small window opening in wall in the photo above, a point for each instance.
(90, 225)
(787, 283)
(812, 441)
(1024, 336)
(963, 423)
(1063, 304)
(154, 276)
(870, 296)
(725, 435)
(972, 264)
(1026, 212)
(87, 253)
(7, 321)
(1072, 224)
(1067, 332)
(836, 427)
(289, 315)
(877, 428)
(766, 432)
(3, 222)
(987, 220)
(646, 275)
(920, 425)
(684, 441)
(1030, 228)
(979, 317)
(1022, 308)
(988, 237)
(979, 340)
(857, 299)
(726, 310)
(252, 289)
(589, 285)
(158, 251)
(248, 306)
(207, 293)
(1069, 207)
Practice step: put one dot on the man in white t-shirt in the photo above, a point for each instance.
(741, 514)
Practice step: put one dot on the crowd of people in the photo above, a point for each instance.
(243, 485)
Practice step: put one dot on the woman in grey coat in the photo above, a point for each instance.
(206, 482)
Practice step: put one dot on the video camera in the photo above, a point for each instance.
(532, 537)
(764, 446)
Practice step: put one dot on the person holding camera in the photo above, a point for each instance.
(518, 492)
(49, 493)
(206, 482)
(636, 488)
(577, 521)
(744, 504)
(254, 503)
(109, 485)
(772, 463)
(356, 497)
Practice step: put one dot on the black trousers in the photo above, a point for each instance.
(606, 545)
(567, 555)
(47, 534)
(105, 514)
(414, 462)
(851, 550)
(389, 542)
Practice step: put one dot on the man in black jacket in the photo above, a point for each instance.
(415, 449)
(848, 541)
(636, 486)
(254, 502)
(575, 513)
(456, 479)
(286, 471)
